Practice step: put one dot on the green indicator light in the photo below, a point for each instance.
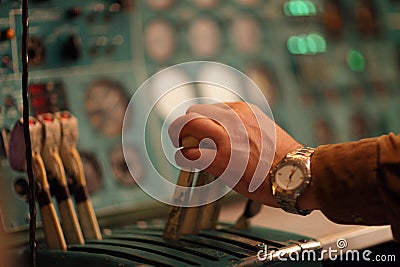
(311, 8)
(292, 45)
(302, 45)
(286, 10)
(319, 42)
(312, 44)
(299, 8)
(356, 60)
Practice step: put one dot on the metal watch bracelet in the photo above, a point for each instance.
(289, 202)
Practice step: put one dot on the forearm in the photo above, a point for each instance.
(357, 182)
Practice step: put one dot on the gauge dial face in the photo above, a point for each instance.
(36, 52)
(92, 170)
(119, 167)
(204, 37)
(105, 104)
(160, 40)
(173, 99)
(289, 176)
(265, 81)
(246, 34)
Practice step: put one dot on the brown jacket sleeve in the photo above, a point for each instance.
(359, 182)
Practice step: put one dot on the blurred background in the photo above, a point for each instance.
(329, 69)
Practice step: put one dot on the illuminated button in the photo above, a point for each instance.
(47, 118)
(65, 115)
(356, 60)
(310, 44)
(7, 34)
(299, 8)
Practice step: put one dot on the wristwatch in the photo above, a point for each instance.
(290, 177)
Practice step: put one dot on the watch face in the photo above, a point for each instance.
(289, 176)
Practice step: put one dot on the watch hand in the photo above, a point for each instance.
(288, 184)
(290, 177)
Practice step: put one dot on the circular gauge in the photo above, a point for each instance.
(21, 187)
(36, 52)
(105, 105)
(218, 75)
(119, 168)
(246, 34)
(204, 37)
(174, 99)
(92, 170)
(160, 40)
(263, 79)
(160, 4)
(206, 3)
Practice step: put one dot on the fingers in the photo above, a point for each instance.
(202, 159)
(197, 126)
(208, 110)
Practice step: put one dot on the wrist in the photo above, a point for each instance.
(307, 200)
(283, 151)
(291, 181)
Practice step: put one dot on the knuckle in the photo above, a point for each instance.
(193, 108)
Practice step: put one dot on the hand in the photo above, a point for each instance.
(244, 137)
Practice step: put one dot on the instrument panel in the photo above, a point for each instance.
(329, 69)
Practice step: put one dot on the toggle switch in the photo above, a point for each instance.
(51, 225)
(73, 165)
(55, 168)
(183, 220)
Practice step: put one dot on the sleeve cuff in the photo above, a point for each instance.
(344, 182)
